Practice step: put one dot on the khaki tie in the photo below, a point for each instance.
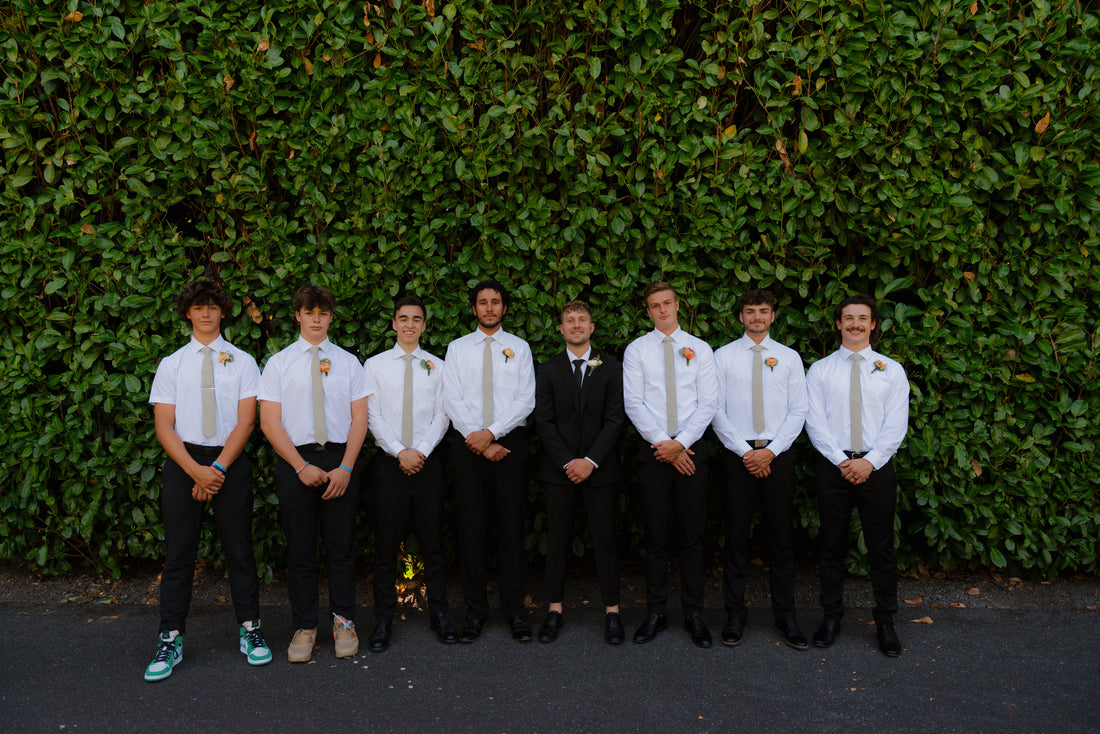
(209, 425)
(320, 433)
(407, 404)
(757, 389)
(855, 403)
(670, 386)
(487, 384)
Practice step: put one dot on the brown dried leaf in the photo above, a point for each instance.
(74, 17)
(973, 591)
(958, 605)
(797, 84)
(263, 46)
(922, 620)
(779, 146)
(377, 61)
(87, 229)
(918, 600)
(1041, 125)
(228, 81)
(254, 313)
(969, 275)
(309, 66)
(996, 577)
(976, 467)
(973, 8)
(429, 5)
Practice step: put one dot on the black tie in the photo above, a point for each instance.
(578, 371)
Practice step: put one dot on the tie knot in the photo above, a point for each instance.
(856, 357)
(666, 340)
(758, 348)
(408, 357)
(489, 340)
(578, 362)
(206, 350)
(314, 350)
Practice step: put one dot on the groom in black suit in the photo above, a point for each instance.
(579, 416)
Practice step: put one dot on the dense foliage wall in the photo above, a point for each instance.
(940, 155)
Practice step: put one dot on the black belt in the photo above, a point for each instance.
(320, 448)
(194, 448)
(856, 454)
(758, 443)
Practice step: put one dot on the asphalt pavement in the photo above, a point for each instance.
(978, 656)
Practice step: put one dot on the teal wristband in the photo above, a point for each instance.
(299, 471)
(345, 469)
(219, 467)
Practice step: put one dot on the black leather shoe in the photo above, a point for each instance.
(888, 641)
(471, 628)
(613, 632)
(551, 626)
(792, 635)
(827, 632)
(380, 638)
(521, 630)
(697, 628)
(653, 624)
(444, 628)
(733, 631)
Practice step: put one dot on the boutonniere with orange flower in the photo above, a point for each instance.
(880, 366)
(771, 362)
(225, 358)
(428, 365)
(508, 354)
(688, 354)
(326, 365)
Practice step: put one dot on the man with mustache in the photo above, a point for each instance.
(858, 416)
(488, 392)
(761, 410)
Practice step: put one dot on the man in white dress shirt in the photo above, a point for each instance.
(761, 410)
(670, 395)
(858, 416)
(489, 391)
(204, 409)
(313, 410)
(408, 421)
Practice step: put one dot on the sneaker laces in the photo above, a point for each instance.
(164, 651)
(255, 637)
(347, 623)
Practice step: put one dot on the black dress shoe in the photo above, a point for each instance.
(380, 638)
(613, 631)
(471, 628)
(733, 631)
(827, 632)
(888, 641)
(697, 628)
(653, 624)
(521, 630)
(551, 626)
(444, 628)
(792, 635)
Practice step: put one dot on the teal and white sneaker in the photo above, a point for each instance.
(169, 654)
(253, 644)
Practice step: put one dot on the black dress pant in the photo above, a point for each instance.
(600, 504)
(483, 487)
(876, 500)
(301, 511)
(395, 494)
(741, 492)
(671, 500)
(182, 517)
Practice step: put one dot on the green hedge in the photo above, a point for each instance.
(942, 156)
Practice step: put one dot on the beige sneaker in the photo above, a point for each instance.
(301, 647)
(343, 633)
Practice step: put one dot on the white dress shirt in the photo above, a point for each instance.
(784, 394)
(644, 387)
(513, 383)
(584, 367)
(884, 396)
(287, 379)
(178, 382)
(386, 405)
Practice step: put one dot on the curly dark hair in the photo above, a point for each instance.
(202, 293)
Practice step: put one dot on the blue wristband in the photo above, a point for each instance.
(345, 469)
(299, 471)
(219, 467)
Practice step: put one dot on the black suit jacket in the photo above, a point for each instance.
(572, 426)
